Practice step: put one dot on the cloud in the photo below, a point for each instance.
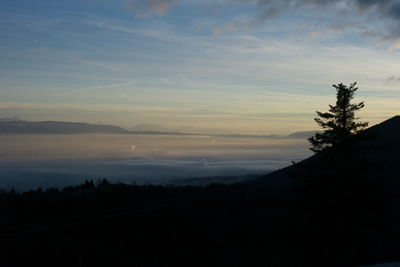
(332, 29)
(146, 8)
(269, 8)
(100, 65)
(393, 79)
(381, 9)
(376, 18)
(105, 86)
(241, 100)
(395, 46)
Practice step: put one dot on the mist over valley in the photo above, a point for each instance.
(28, 161)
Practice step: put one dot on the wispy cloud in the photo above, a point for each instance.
(100, 65)
(105, 86)
(389, 9)
(160, 31)
(381, 17)
(392, 79)
(395, 46)
(146, 8)
(332, 29)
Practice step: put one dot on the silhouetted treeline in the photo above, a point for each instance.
(88, 198)
(103, 224)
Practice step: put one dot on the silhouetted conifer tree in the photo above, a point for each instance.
(342, 189)
(339, 122)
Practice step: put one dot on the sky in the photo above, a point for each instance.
(243, 66)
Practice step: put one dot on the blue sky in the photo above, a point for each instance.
(247, 66)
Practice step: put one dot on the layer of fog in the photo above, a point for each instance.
(30, 161)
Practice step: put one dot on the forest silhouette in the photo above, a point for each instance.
(336, 208)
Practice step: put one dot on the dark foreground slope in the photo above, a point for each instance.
(120, 225)
(315, 213)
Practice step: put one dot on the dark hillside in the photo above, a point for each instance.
(383, 145)
(146, 226)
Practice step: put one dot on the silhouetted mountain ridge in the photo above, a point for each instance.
(14, 118)
(302, 134)
(384, 146)
(56, 127)
(14, 125)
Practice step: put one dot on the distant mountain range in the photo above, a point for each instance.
(218, 132)
(55, 127)
(15, 118)
(302, 135)
(14, 125)
(149, 127)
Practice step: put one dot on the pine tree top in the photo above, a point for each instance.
(339, 122)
